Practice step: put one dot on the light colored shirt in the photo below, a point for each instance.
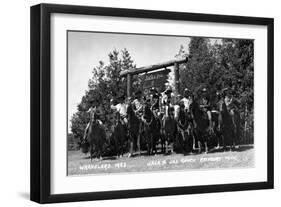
(177, 110)
(186, 103)
(121, 108)
(97, 109)
(137, 104)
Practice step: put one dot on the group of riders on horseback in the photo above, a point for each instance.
(188, 123)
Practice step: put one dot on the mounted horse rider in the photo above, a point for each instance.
(186, 107)
(203, 118)
(120, 127)
(204, 104)
(232, 107)
(95, 132)
(187, 103)
(216, 109)
(167, 101)
(169, 125)
(94, 111)
(187, 99)
(138, 103)
(231, 102)
(155, 102)
(121, 108)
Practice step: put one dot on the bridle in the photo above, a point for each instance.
(151, 115)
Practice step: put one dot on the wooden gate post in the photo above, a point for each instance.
(129, 85)
(177, 75)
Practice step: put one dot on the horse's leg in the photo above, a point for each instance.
(100, 149)
(206, 143)
(149, 144)
(131, 147)
(234, 131)
(138, 139)
(182, 141)
(138, 143)
(228, 135)
(225, 137)
(152, 143)
(163, 142)
(192, 133)
(199, 141)
(166, 137)
(146, 140)
(116, 145)
(91, 151)
(149, 136)
(153, 137)
(156, 141)
(238, 129)
(172, 143)
(120, 144)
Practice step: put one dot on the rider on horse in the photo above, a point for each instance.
(232, 107)
(95, 112)
(121, 108)
(216, 110)
(138, 103)
(167, 101)
(187, 99)
(204, 120)
(155, 102)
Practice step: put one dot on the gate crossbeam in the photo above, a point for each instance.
(153, 67)
(135, 71)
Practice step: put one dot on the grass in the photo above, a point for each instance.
(80, 164)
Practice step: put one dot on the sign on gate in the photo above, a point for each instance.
(156, 80)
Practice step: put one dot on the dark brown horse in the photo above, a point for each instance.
(150, 129)
(169, 125)
(119, 135)
(230, 125)
(203, 130)
(185, 129)
(134, 128)
(96, 137)
(217, 139)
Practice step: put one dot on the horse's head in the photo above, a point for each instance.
(94, 116)
(129, 108)
(117, 116)
(147, 112)
(171, 112)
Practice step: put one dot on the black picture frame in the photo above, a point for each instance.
(41, 96)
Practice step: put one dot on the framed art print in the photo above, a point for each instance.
(132, 103)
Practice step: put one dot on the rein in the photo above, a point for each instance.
(149, 123)
(182, 125)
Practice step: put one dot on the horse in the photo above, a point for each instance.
(134, 128)
(185, 129)
(230, 125)
(119, 135)
(96, 137)
(150, 129)
(158, 136)
(169, 129)
(202, 123)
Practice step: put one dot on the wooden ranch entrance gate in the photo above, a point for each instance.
(136, 71)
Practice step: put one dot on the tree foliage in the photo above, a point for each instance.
(104, 85)
(218, 64)
(214, 64)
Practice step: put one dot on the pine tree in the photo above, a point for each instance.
(104, 85)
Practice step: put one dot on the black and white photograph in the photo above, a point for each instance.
(131, 103)
(140, 103)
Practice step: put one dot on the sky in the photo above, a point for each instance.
(86, 49)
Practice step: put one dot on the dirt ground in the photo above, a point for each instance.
(80, 164)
